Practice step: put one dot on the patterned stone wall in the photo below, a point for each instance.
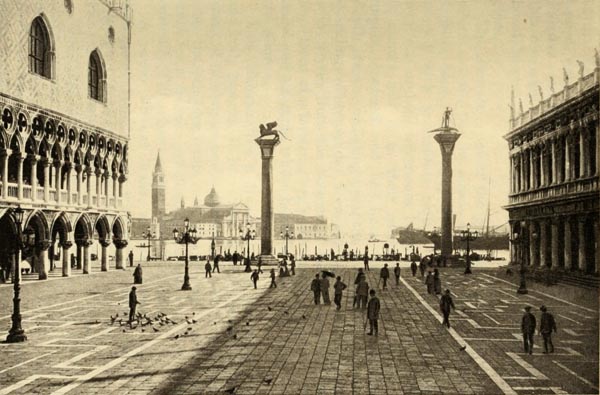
(75, 35)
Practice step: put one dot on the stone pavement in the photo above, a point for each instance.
(276, 341)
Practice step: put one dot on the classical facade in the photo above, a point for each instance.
(305, 227)
(64, 131)
(554, 193)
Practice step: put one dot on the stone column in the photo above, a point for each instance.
(46, 163)
(80, 255)
(106, 187)
(21, 159)
(57, 178)
(120, 246)
(79, 171)
(66, 263)
(531, 170)
(42, 257)
(86, 257)
(554, 259)
(447, 141)
(4, 160)
(33, 174)
(567, 155)
(596, 249)
(583, 162)
(98, 186)
(90, 173)
(582, 243)
(543, 245)
(104, 255)
(522, 171)
(534, 245)
(554, 166)
(267, 148)
(567, 244)
(512, 174)
(69, 189)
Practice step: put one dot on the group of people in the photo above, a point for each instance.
(547, 326)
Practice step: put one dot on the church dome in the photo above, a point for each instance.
(212, 199)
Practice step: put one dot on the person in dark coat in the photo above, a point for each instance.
(413, 268)
(137, 274)
(133, 302)
(325, 289)
(446, 303)
(362, 292)
(360, 274)
(422, 267)
(254, 277)
(397, 273)
(384, 274)
(215, 267)
(208, 269)
(547, 325)
(366, 259)
(528, 329)
(273, 284)
(373, 313)
(437, 282)
(339, 287)
(236, 258)
(293, 266)
(259, 265)
(130, 258)
(429, 282)
(315, 287)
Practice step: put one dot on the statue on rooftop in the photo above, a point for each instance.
(540, 92)
(551, 84)
(565, 76)
(581, 65)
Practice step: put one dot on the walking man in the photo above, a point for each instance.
(137, 274)
(258, 265)
(133, 302)
(339, 287)
(413, 268)
(429, 282)
(362, 292)
(397, 273)
(254, 277)
(208, 269)
(446, 303)
(384, 274)
(293, 266)
(422, 267)
(273, 285)
(373, 313)
(366, 259)
(315, 286)
(216, 264)
(235, 258)
(528, 329)
(130, 258)
(325, 289)
(547, 325)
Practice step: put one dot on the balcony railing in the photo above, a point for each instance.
(37, 195)
(583, 185)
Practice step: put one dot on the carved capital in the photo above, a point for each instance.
(120, 244)
(42, 245)
(66, 244)
(104, 243)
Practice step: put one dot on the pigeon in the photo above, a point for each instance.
(112, 319)
(188, 321)
(235, 336)
(176, 336)
(186, 317)
(463, 348)
(143, 330)
(194, 321)
(269, 308)
(214, 323)
(303, 316)
(231, 390)
(123, 330)
(229, 329)
(229, 321)
(116, 315)
(189, 329)
(268, 379)
(247, 323)
(173, 322)
(194, 313)
(155, 330)
(285, 312)
(185, 334)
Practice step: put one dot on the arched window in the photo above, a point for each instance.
(96, 77)
(40, 49)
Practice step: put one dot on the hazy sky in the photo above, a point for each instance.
(355, 86)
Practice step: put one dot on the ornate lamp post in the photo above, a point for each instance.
(212, 246)
(148, 235)
(24, 239)
(188, 236)
(468, 236)
(287, 236)
(520, 241)
(249, 235)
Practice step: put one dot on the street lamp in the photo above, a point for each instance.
(212, 246)
(148, 235)
(468, 236)
(188, 236)
(287, 236)
(519, 239)
(249, 235)
(24, 239)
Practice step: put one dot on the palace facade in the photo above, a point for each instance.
(64, 132)
(553, 203)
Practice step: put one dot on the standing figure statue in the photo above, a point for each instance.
(581, 66)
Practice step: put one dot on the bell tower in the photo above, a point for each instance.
(158, 190)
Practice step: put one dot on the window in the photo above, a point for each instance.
(40, 49)
(96, 78)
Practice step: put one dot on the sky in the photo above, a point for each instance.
(354, 86)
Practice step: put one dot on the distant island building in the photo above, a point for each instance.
(554, 172)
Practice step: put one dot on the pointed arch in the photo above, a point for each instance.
(119, 230)
(41, 47)
(83, 227)
(39, 223)
(103, 228)
(97, 76)
(62, 227)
